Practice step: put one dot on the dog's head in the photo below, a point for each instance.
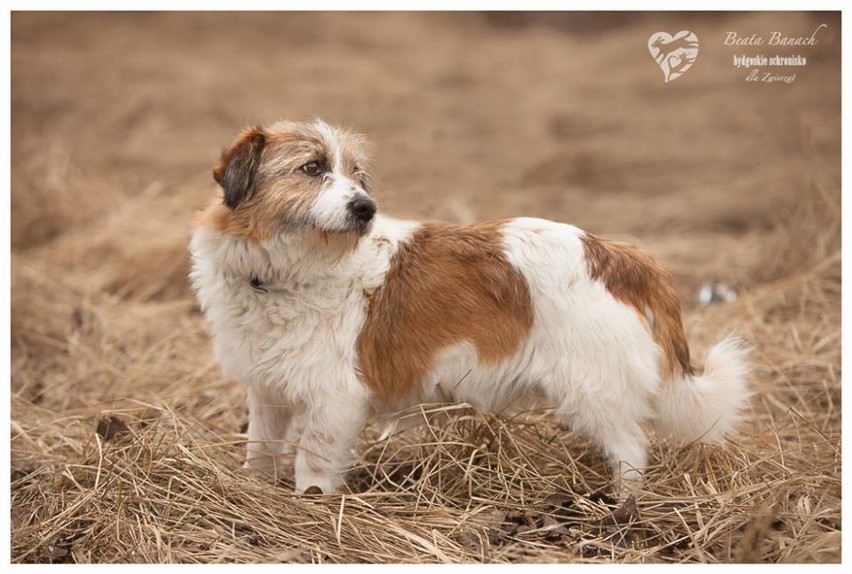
(295, 176)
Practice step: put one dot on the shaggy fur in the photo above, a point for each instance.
(327, 313)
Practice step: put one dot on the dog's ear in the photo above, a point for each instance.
(237, 168)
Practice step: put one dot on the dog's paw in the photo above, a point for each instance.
(267, 468)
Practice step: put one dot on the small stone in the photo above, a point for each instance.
(112, 427)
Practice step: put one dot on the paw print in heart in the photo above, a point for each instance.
(674, 54)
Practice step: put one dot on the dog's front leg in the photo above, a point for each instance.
(333, 424)
(270, 428)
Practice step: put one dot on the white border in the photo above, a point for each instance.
(430, 5)
(450, 5)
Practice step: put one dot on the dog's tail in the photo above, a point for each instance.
(708, 407)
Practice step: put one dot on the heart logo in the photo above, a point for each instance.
(674, 54)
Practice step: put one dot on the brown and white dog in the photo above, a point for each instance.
(327, 312)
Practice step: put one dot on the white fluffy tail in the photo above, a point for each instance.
(708, 407)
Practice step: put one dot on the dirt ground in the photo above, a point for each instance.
(125, 440)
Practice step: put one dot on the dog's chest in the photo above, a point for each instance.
(277, 331)
(280, 314)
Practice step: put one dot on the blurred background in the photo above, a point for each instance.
(471, 116)
(118, 118)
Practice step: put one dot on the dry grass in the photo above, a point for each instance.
(126, 442)
(467, 488)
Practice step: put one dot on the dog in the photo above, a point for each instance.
(328, 313)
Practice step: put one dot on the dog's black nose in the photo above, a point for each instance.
(362, 208)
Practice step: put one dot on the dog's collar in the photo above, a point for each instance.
(257, 284)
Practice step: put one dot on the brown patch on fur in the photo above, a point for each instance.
(447, 285)
(257, 227)
(636, 279)
(256, 219)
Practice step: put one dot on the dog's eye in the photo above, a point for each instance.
(312, 168)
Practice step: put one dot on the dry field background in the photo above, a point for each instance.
(125, 440)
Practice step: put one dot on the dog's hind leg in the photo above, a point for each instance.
(615, 427)
(606, 398)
